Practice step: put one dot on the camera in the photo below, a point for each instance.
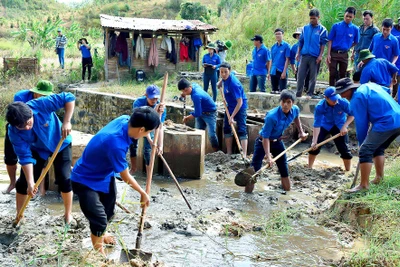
(80, 41)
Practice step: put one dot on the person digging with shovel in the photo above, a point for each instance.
(104, 157)
(332, 116)
(35, 130)
(269, 143)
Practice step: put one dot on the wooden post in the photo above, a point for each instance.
(107, 42)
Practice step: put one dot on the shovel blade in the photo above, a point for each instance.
(243, 177)
(130, 254)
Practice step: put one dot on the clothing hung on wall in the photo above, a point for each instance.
(153, 54)
(172, 57)
(121, 45)
(166, 43)
(140, 47)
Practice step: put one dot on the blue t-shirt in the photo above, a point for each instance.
(371, 104)
(85, 51)
(396, 33)
(276, 122)
(215, 60)
(104, 156)
(201, 100)
(279, 54)
(384, 48)
(293, 52)
(234, 90)
(312, 38)
(326, 116)
(260, 59)
(46, 131)
(378, 70)
(343, 35)
(23, 96)
(142, 102)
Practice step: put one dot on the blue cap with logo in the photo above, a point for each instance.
(152, 91)
(330, 93)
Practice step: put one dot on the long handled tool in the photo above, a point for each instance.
(127, 255)
(246, 163)
(42, 176)
(311, 148)
(248, 175)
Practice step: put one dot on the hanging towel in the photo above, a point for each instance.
(172, 57)
(183, 52)
(166, 43)
(140, 48)
(153, 55)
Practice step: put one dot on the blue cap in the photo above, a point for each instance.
(152, 91)
(330, 93)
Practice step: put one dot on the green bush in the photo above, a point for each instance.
(194, 11)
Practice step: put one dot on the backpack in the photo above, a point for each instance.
(140, 75)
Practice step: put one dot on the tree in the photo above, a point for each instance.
(194, 11)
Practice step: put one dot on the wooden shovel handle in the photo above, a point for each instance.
(42, 175)
(322, 143)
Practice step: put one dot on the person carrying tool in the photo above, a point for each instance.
(205, 110)
(371, 104)
(34, 131)
(270, 138)
(237, 106)
(150, 99)
(104, 157)
(42, 88)
(332, 116)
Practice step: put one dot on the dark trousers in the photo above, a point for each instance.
(10, 158)
(86, 64)
(98, 207)
(207, 78)
(308, 66)
(341, 142)
(277, 83)
(341, 60)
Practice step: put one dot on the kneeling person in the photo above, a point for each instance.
(330, 118)
(105, 155)
(205, 110)
(269, 142)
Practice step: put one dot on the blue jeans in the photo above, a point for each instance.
(209, 120)
(275, 148)
(207, 78)
(257, 79)
(60, 52)
(240, 119)
(146, 150)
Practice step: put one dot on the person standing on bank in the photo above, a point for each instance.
(87, 61)
(342, 37)
(205, 110)
(280, 52)
(104, 157)
(269, 143)
(237, 106)
(332, 116)
(367, 31)
(261, 64)
(61, 43)
(35, 131)
(211, 63)
(311, 48)
(373, 105)
(150, 99)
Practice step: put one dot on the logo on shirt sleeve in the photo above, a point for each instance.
(350, 35)
(387, 46)
(46, 124)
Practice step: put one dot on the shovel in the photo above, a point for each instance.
(247, 176)
(42, 176)
(246, 163)
(311, 148)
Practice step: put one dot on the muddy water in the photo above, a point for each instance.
(225, 228)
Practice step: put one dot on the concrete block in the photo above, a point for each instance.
(253, 132)
(184, 152)
(140, 162)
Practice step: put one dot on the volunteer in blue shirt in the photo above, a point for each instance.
(377, 70)
(87, 62)
(311, 48)
(35, 131)
(280, 52)
(332, 116)
(269, 142)
(367, 31)
(385, 45)
(369, 103)
(396, 33)
(42, 88)
(205, 110)
(261, 64)
(150, 99)
(293, 50)
(343, 36)
(237, 105)
(104, 157)
(211, 63)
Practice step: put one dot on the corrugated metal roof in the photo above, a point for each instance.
(142, 24)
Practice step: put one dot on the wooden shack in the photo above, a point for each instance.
(119, 65)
